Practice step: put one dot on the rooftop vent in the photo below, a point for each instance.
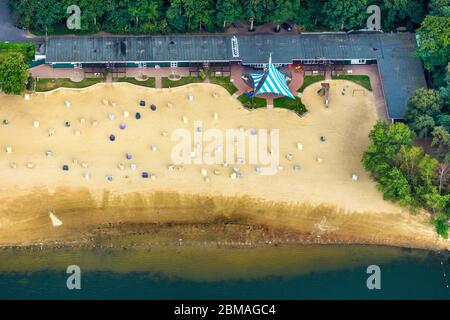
(123, 48)
(172, 47)
(235, 47)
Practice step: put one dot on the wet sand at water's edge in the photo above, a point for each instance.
(171, 219)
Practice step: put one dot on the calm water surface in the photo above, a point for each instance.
(309, 272)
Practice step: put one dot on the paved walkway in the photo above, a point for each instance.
(8, 32)
(236, 73)
(243, 26)
(158, 82)
(46, 71)
(296, 82)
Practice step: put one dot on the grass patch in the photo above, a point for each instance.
(308, 80)
(224, 82)
(26, 49)
(50, 84)
(291, 104)
(150, 82)
(362, 80)
(166, 83)
(252, 103)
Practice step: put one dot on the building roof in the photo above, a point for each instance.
(138, 48)
(401, 72)
(252, 48)
(285, 48)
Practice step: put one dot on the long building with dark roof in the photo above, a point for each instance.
(400, 71)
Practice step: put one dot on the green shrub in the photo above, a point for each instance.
(362, 80)
(295, 105)
(252, 103)
(50, 84)
(150, 82)
(167, 83)
(308, 80)
(226, 83)
(26, 49)
(202, 74)
(442, 228)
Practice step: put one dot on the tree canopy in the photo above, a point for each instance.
(406, 174)
(423, 111)
(161, 16)
(439, 8)
(386, 143)
(427, 114)
(13, 74)
(434, 45)
(402, 13)
(345, 14)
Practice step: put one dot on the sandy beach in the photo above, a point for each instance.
(319, 201)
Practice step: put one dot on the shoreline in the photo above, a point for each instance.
(219, 245)
(125, 222)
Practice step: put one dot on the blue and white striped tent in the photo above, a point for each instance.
(273, 81)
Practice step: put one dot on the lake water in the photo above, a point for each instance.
(308, 272)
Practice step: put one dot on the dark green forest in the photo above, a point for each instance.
(164, 16)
